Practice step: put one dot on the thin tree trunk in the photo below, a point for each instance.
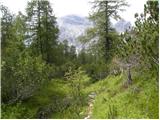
(107, 44)
(129, 76)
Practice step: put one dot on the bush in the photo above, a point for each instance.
(97, 71)
(15, 111)
(26, 76)
(77, 81)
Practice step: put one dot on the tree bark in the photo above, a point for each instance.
(129, 76)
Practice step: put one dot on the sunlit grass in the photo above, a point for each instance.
(139, 100)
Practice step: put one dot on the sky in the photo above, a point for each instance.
(77, 7)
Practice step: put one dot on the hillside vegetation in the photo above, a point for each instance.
(113, 75)
(114, 99)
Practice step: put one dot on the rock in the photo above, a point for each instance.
(92, 95)
(91, 105)
(87, 117)
(43, 112)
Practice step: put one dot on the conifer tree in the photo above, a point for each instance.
(43, 30)
(102, 13)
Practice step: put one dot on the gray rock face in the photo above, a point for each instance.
(71, 27)
(122, 26)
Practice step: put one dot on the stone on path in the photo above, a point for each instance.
(92, 95)
(90, 104)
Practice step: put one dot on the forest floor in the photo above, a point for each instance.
(107, 98)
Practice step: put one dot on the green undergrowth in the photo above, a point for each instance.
(55, 95)
(115, 100)
(55, 90)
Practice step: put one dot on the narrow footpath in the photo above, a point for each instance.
(90, 105)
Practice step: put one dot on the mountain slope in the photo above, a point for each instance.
(116, 100)
(122, 26)
(71, 27)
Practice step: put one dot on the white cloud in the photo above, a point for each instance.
(66, 7)
(136, 6)
(79, 7)
(15, 5)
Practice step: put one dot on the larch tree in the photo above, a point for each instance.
(43, 30)
(103, 11)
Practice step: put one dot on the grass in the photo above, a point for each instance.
(113, 100)
(56, 89)
(139, 100)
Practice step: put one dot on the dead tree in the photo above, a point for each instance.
(129, 75)
(127, 64)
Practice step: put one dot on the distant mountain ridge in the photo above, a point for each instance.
(76, 20)
(72, 26)
(122, 26)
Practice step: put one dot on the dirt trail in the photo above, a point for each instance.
(90, 105)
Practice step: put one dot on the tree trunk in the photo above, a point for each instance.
(129, 76)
